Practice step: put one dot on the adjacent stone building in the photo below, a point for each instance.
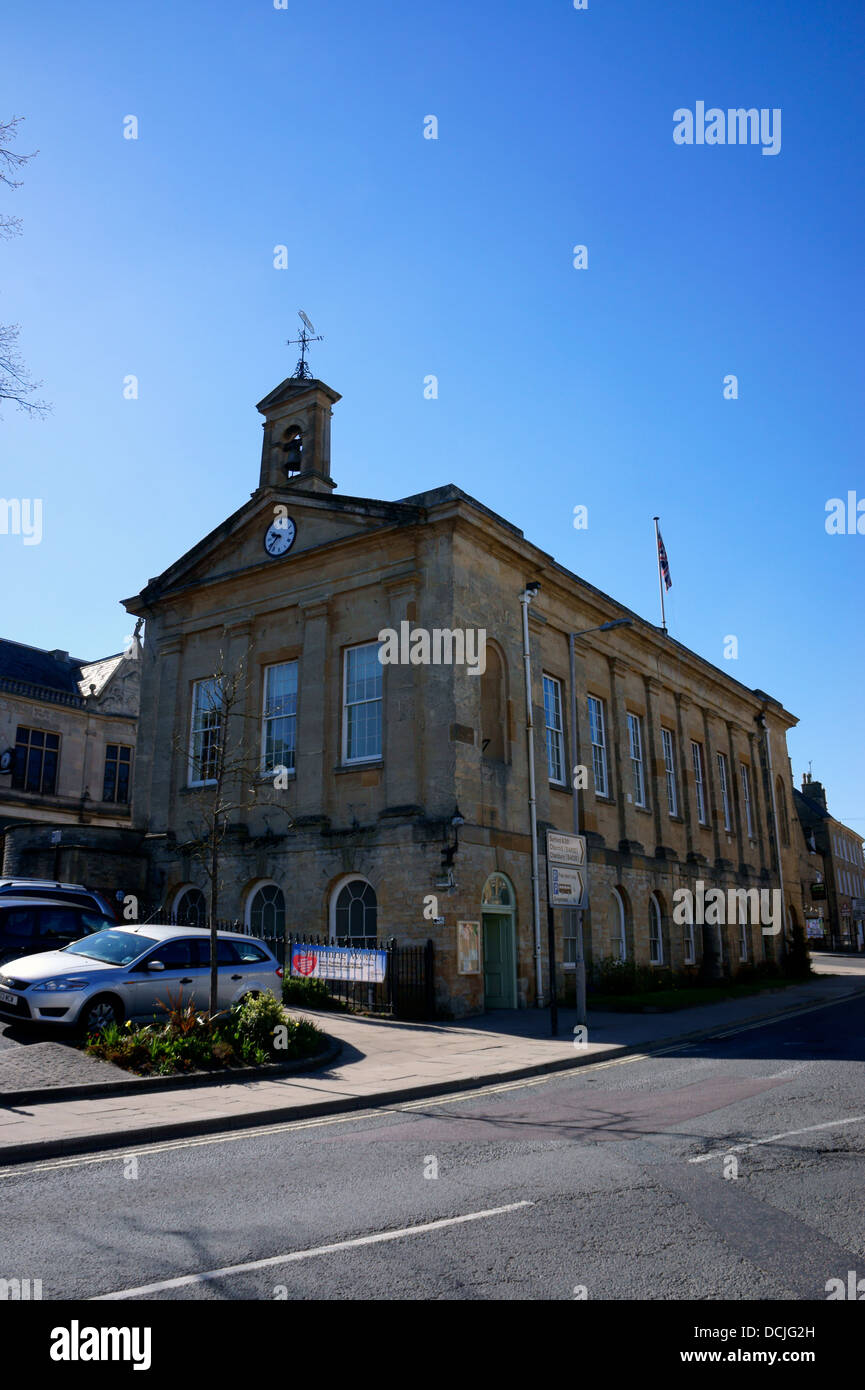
(393, 799)
(833, 892)
(67, 758)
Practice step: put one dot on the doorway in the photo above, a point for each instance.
(499, 933)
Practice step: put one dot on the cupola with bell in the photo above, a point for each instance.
(296, 446)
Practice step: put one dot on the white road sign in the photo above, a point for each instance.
(566, 849)
(567, 887)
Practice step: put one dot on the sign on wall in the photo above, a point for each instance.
(338, 963)
(566, 849)
(468, 948)
(567, 887)
(567, 881)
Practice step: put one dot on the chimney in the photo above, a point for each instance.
(814, 790)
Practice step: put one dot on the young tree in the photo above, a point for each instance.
(227, 776)
(15, 384)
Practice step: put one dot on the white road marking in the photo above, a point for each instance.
(773, 1138)
(187, 1279)
(683, 1045)
(781, 1018)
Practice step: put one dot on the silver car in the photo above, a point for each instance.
(126, 972)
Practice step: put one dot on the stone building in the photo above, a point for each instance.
(834, 890)
(405, 791)
(67, 757)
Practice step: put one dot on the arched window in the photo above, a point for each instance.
(190, 907)
(656, 940)
(355, 917)
(783, 822)
(493, 712)
(618, 935)
(266, 911)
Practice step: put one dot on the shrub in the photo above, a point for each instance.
(613, 976)
(191, 1041)
(254, 1021)
(310, 994)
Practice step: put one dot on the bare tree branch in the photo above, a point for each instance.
(15, 384)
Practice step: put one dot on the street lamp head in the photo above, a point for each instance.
(617, 622)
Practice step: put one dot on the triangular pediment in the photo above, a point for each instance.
(321, 524)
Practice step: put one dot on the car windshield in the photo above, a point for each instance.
(113, 947)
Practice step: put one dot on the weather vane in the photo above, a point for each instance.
(301, 371)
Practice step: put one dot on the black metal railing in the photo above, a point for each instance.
(407, 990)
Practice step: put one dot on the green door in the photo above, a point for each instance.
(500, 984)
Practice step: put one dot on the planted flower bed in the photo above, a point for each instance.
(255, 1033)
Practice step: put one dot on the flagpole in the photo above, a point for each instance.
(660, 576)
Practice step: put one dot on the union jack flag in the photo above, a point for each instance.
(664, 563)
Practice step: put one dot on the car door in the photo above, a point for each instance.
(229, 971)
(149, 989)
(257, 970)
(17, 933)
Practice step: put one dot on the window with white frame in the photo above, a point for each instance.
(670, 771)
(205, 732)
(598, 736)
(689, 941)
(635, 739)
(279, 717)
(656, 940)
(724, 785)
(746, 800)
(266, 911)
(618, 933)
(699, 781)
(362, 704)
(555, 731)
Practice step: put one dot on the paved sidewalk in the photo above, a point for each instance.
(383, 1063)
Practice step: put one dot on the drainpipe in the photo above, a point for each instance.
(525, 599)
(580, 961)
(764, 725)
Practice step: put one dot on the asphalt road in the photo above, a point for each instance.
(618, 1180)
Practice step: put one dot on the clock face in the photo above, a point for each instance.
(279, 536)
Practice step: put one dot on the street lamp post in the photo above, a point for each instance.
(580, 960)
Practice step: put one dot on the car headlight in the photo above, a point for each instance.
(65, 983)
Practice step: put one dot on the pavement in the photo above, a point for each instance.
(382, 1062)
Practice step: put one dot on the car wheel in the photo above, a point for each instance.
(99, 1013)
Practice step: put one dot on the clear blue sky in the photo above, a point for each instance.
(557, 387)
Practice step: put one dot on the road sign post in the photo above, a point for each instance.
(567, 886)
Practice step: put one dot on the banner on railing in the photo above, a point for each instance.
(338, 963)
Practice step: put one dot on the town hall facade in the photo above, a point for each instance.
(378, 799)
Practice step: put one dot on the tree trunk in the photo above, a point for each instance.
(214, 904)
